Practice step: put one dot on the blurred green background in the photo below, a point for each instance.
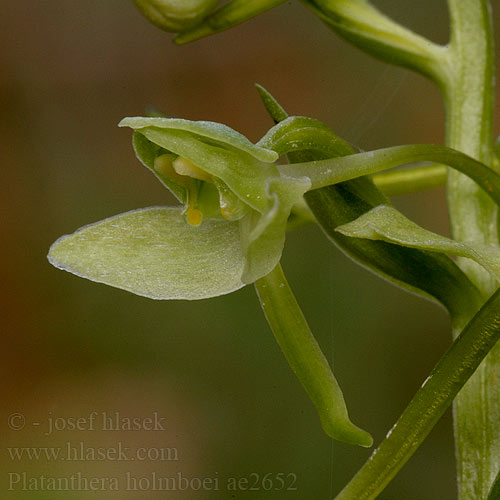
(69, 72)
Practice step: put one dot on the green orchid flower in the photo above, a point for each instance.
(235, 204)
(229, 230)
(217, 173)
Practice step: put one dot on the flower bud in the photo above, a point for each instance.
(230, 14)
(175, 15)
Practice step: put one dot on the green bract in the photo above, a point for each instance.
(385, 223)
(175, 15)
(433, 276)
(227, 186)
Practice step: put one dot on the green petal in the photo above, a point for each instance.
(244, 174)
(207, 197)
(146, 152)
(388, 224)
(263, 236)
(153, 252)
(298, 133)
(218, 132)
(273, 107)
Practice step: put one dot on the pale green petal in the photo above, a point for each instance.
(388, 224)
(147, 152)
(263, 236)
(154, 253)
(207, 197)
(299, 133)
(218, 132)
(242, 173)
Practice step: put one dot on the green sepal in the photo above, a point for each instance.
(153, 252)
(384, 223)
(216, 149)
(299, 133)
(212, 132)
(207, 199)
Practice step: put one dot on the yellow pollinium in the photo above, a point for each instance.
(194, 216)
(164, 166)
(183, 172)
(185, 167)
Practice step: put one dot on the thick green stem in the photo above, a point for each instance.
(469, 107)
(430, 402)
